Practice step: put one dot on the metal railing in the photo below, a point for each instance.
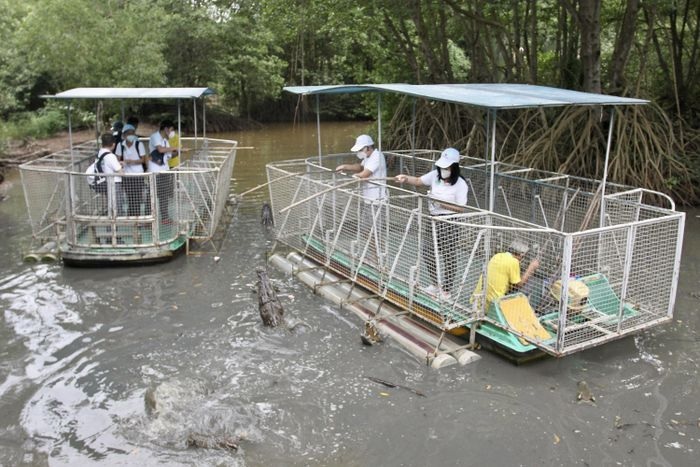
(435, 267)
(133, 211)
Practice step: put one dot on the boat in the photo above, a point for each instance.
(89, 228)
(609, 254)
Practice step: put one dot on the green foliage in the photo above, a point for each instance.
(40, 124)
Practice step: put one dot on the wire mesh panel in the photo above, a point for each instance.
(587, 284)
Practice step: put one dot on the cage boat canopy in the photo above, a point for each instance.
(133, 93)
(489, 95)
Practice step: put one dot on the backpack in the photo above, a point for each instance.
(138, 153)
(98, 184)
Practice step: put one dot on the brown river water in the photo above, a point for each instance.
(79, 348)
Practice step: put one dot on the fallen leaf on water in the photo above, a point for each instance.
(556, 439)
(198, 284)
(488, 386)
(174, 307)
(385, 394)
(136, 297)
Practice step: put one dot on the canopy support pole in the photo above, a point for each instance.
(318, 128)
(97, 123)
(204, 122)
(379, 120)
(413, 137)
(194, 106)
(179, 129)
(492, 128)
(70, 136)
(605, 168)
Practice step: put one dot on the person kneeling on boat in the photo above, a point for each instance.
(159, 154)
(503, 271)
(133, 156)
(448, 195)
(111, 165)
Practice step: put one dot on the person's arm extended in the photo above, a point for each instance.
(403, 178)
(532, 267)
(349, 168)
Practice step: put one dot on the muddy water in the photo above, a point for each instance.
(80, 348)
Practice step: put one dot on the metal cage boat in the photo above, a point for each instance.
(616, 243)
(90, 228)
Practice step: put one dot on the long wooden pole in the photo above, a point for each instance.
(322, 192)
(280, 178)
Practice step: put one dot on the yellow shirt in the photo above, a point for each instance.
(174, 142)
(503, 272)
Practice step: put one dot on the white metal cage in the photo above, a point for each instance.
(136, 216)
(597, 280)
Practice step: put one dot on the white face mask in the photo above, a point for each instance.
(132, 138)
(171, 134)
(445, 173)
(361, 155)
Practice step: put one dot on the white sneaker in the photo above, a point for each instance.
(435, 292)
(431, 290)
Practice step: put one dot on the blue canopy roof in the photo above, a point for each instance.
(133, 93)
(491, 96)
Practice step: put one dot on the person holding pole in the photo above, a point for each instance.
(371, 166)
(448, 195)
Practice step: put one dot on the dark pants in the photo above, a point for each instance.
(447, 238)
(164, 191)
(133, 187)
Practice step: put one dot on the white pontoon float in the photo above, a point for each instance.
(90, 228)
(609, 254)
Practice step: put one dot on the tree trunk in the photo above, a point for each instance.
(589, 25)
(623, 46)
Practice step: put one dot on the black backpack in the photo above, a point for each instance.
(99, 184)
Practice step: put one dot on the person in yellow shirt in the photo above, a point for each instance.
(174, 142)
(503, 273)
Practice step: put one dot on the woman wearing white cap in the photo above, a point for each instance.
(372, 165)
(448, 194)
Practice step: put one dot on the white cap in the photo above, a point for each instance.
(519, 247)
(361, 142)
(448, 157)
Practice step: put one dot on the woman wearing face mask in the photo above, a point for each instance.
(448, 195)
(133, 155)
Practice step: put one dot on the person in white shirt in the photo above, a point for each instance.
(372, 170)
(448, 195)
(111, 165)
(133, 156)
(160, 152)
(372, 165)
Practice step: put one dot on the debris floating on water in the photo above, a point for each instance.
(395, 385)
(584, 394)
(370, 335)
